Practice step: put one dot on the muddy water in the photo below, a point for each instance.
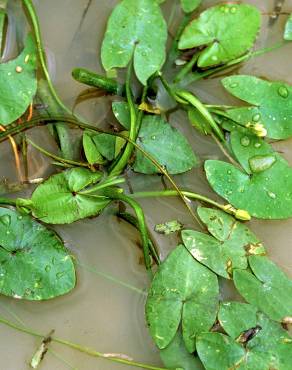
(101, 313)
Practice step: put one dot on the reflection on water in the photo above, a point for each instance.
(100, 313)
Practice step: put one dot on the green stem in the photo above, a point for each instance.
(36, 27)
(116, 195)
(93, 79)
(134, 222)
(187, 68)
(86, 350)
(124, 159)
(3, 18)
(195, 102)
(8, 201)
(57, 158)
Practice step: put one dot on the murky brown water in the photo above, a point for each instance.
(100, 313)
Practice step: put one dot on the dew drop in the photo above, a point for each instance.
(257, 145)
(256, 117)
(283, 92)
(153, 137)
(19, 217)
(229, 172)
(53, 260)
(18, 69)
(5, 220)
(48, 268)
(260, 163)
(272, 195)
(214, 58)
(245, 141)
(233, 10)
(60, 274)
(233, 85)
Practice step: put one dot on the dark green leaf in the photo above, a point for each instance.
(288, 29)
(265, 189)
(269, 288)
(34, 263)
(230, 246)
(136, 29)
(91, 152)
(228, 30)
(105, 144)
(182, 290)
(272, 104)
(59, 200)
(175, 356)
(18, 83)
(166, 144)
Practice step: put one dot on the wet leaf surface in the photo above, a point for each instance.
(166, 144)
(229, 246)
(264, 189)
(288, 29)
(268, 288)
(59, 200)
(227, 30)
(34, 264)
(182, 291)
(272, 104)
(122, 113)
(269, 348)
(18, 83)
(136, 28)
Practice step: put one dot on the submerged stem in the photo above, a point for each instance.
(86, 350)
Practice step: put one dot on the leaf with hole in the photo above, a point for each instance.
(267, 288)
(262, 344)
(136, 30)
(182, 291)
(34, 264)
(232, 242)
(62, 199)
(18, 83)
(263, 187)
(166, 144)
(271, 104)
(227, 30)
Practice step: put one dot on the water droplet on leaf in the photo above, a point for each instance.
(5, 220)
(261, 163)
(283, 92)
(256, 117)
(245, 141)
(272, 195)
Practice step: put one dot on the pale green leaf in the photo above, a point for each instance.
(227, 30)
(264, 189)
(92, 154)
(166, 144)
(288, 29)
(182, 291)
(34, 262)
(268, 288)
(18, 83)
(190, 5)
(228, 249)
(59, 200)
(272, 104)
(136, 29)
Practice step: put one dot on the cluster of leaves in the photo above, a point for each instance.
(186, 316)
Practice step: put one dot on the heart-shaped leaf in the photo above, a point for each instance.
(175, 356)
(34, 264)
(268, 288)
(59, 200)
(166, 144)
(227, 30)
(288, 29)
(272, 104)
(263, 346)
(229, 247)
(18, 83)
(136, 29)
(182, 291)
(265, 189)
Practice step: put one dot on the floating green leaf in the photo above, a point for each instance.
(272, 104)
(265, 189)
(175, 356)
(267, 345)
(288, 29)
(166, 144)
(122, 113)
(136, 29)
(229, 247)
(269, 288)
(18, 83)
(60, 199)
(34, 264)
(228, 30)
(168, 227)
(182, 290)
